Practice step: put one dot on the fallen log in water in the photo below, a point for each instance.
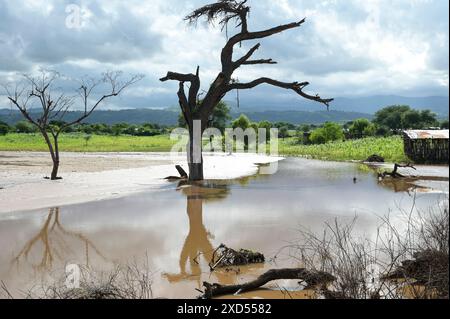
(395, 173)
(181, 171)
(312, 278)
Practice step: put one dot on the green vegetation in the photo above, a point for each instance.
(328, 133)
(96, 143)
(355, 140)
(401, 117)
(391, 148)
(362, 128)
(146, 129)
(4, 128)
(242, 122)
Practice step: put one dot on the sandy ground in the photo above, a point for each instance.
(98, 176)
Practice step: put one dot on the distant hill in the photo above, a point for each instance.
(370, 104)
(170, 117)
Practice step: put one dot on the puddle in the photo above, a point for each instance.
(179, 226)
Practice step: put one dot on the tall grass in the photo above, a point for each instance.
(97, 143)
(391, 148)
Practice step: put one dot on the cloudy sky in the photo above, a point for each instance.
(346, 48)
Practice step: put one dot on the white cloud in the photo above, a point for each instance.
(347, 47)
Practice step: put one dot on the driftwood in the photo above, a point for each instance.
(181, 171)
(226, 257)
(312, 278)
(395, 173)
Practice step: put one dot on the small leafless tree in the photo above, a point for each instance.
(52, 106)
(196, 111)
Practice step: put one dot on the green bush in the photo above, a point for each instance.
(328, 133)
(241, 122)
(4, 128)
(382, 131)
(318, 137)
(25, 127)
(362, 128)
(283, 132)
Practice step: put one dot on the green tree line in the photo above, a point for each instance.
(388, 121)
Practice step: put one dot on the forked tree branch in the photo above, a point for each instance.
(187, 104)
(295, 86)
(227, 52)
(247, 56)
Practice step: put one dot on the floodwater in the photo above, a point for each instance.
(177, 227)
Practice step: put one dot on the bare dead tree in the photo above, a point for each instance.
(40, 91)
(226, 11)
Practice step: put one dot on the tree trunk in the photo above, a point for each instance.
(54, 175)
(54, 152)
(194, 154)
(196, 171)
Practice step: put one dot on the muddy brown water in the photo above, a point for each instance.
(176, 228)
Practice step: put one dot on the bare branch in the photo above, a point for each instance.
(245, 36)
(295, 86)
(261, 61)
(247, 56)
(227, 51)
(173, 76)
(116, 87)
(184, 104)
(187, 104)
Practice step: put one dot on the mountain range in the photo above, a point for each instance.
(295, 112)
(368, 104)
(170, 117)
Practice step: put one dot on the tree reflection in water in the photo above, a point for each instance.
(198, 241)
(53, 239)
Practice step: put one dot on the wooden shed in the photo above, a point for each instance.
(427, 146)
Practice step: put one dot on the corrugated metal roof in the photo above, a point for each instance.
(427, 134)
